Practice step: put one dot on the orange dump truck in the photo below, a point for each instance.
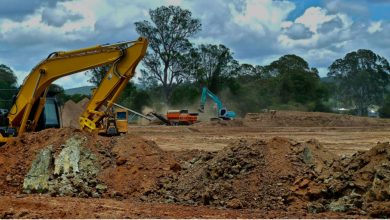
(182, 117)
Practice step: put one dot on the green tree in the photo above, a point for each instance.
(294, 80)
(97, 74)
(185, 94)
(361, 78)
(212, 66)
(250, 70)
(8, 82)
(76, 97)
(384, 111)
(168, 34)
(253, 90)
(58, 92)
(134, 98)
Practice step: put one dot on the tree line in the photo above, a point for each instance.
(174, 70)
(177, 69)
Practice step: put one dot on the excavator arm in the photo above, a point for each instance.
(29, 103)
(112, 85)
(206, 92)
(223, 113)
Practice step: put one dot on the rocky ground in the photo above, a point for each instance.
(66, 173)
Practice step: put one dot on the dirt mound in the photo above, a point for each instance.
(70, 172)
(17, 156)
(243, 175)
(72, 111)
(356, 183)
(70, 114)
(275, 175)
(128, 165)
(83, 103)
(310, 119)
(132, 166)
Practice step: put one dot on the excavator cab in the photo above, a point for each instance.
(225, 114)
(3, 122)
(50, 117)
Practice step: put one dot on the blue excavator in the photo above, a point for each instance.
(222, 112)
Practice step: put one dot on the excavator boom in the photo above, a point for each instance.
(223, 113)
(206, 92)
(29, 103)
(112, 85)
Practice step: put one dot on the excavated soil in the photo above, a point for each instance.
(254, 175)
(247, 178)
(356, 184)
(71, 113)
(129, 165)
(310, 119)
(243, 175)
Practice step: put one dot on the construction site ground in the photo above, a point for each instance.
(340, 140)
(261, 166)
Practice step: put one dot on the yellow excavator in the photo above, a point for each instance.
(25, 113)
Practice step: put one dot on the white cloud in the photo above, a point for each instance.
(324, 56)
(260, 14)
(375, 27)
(58, 16)
(313, 17)
(327, 30)
(21, 75)
(69, 25)
(73, 81)
(322, 72)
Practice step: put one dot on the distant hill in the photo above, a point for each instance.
(84, 90)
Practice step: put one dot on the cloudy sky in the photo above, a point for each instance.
(257, 31)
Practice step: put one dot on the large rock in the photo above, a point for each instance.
(37, 178)
(74, 172)
(68, 159)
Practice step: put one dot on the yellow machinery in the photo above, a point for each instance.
(121, 120)
(115, 122)
(29, 103)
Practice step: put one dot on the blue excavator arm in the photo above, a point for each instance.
(222, 111)
(206, 92)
